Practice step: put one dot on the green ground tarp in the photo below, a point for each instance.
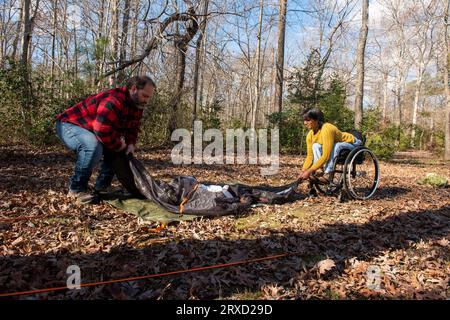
(145, 209)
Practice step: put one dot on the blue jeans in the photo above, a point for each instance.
(337, 147)
(89, 153)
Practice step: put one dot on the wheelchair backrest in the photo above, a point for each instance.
(359, 135)
(345, 152)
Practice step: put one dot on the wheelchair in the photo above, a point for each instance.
(356, 174)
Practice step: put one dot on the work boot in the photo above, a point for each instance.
(313, 179)
(326, 178)
(84, 197)
(103, 190)
(312, 193)
(312, 190)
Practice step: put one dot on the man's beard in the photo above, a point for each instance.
(135, 98)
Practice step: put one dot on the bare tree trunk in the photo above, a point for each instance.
(3, 40)
(114, 35)
(201, 79)
(65, 42)
(99, 55)
(258, 67)
(75, 43)
(251, 99)
(26, 36)
(421, 140)
(398, 97)
(124, 38)
(181, 46)
(385, 94)
(280, 55)
(55, 21)
(17, 37)
(198, 55)
(360, 65)
(416, 102)
(423, 40)
(430, 145)
(446, 80)
(134, 29)
(399, 89)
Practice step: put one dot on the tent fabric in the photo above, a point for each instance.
(185, 195)
(145, 209)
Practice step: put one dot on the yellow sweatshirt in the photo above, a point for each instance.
(327, 136)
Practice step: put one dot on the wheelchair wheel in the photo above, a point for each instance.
(334, 186)
(361, 173)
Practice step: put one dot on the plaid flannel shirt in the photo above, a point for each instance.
(110, 115)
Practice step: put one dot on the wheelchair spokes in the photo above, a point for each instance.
(363, 178)
(334, 186)
(356, 173)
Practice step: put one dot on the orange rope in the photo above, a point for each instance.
(91, 284)
(186, 199)
(158, 229)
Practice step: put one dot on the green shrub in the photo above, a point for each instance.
(210, 115)
(372, 118)
(291, 129)
(434, 180)
(332, 104)
(383, 148)
(236, 123)
(12, 115)
(49, 96)
(155, 121)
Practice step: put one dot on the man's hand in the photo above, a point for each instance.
(130, 149)
(305, 174)
(122, 147)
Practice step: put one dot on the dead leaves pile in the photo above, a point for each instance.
(402, 234)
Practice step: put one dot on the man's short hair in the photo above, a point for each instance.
(140, 82)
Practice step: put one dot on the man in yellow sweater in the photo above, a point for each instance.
(323, 143)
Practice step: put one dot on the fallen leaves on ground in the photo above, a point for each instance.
(403, 232)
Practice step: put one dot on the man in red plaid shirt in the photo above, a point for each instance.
(100, 125)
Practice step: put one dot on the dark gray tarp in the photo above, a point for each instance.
(184, 194)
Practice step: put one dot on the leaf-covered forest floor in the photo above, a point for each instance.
(402, 233)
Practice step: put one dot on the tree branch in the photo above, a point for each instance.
(153, 43)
